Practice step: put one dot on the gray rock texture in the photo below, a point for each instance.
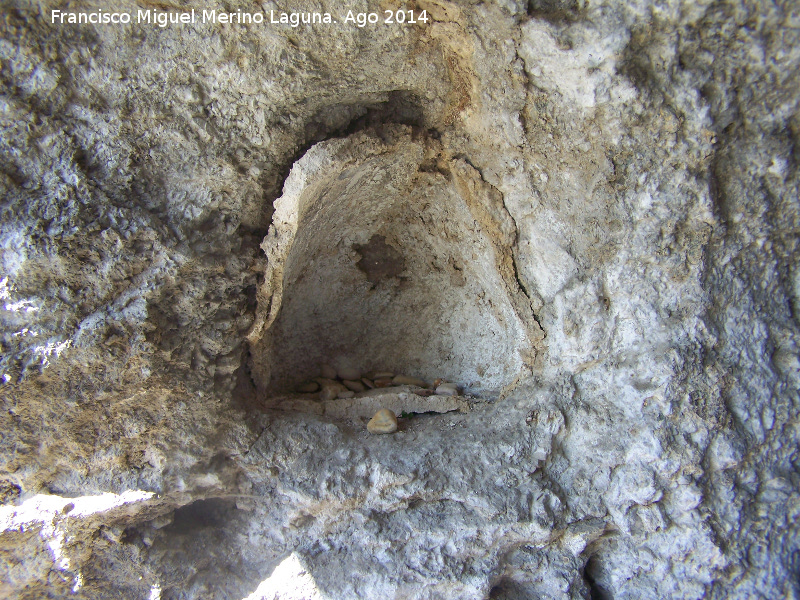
(586, 215)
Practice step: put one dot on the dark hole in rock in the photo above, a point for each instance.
(212, 512)
(593, 574)
(508, 590)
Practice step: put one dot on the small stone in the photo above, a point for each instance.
(383, 391)
(423, 392)
(330, 388)
(348, 373)
(384, 421)
(355, 386)
(345, 395)
(438, 382)
(309, 387)
(406, 380)
(327, 371)
(367, 382)
(447, 389)
(382, 383)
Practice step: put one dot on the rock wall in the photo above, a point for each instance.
(584, 214)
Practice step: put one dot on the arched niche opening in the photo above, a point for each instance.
(384, 253)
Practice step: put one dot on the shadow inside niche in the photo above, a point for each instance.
(401, 107)
(342, 119)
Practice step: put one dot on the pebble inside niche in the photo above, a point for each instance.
(384, 254)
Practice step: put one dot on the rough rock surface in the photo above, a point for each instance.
(586, 212)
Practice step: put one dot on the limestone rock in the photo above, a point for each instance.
(397, 401)
(356, 386)
(447, 389)
(390, 389)
(302, 405)
(586, 212)
(384, 421)
(406, 380)
(330, 388)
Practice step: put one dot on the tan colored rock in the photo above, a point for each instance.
(330, 388)
(355, 386)
(406, 380)
(447, 389)
(384, 421)
(367, 383)
(382, 382)
(345, 395)
(300, 405)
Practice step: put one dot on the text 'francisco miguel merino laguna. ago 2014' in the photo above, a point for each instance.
(293, 19)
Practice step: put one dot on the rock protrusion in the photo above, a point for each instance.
(406, 380)
(447, 389)
(348, 382)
